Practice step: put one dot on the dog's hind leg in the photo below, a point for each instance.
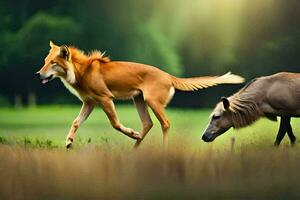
(284, 121)
(144, 116)
(157, 97)
(159, 111)
(290, 133)
(109, 108)
(86, 109)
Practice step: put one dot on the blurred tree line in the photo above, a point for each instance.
(184, 38)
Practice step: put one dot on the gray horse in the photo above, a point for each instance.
(269, 96)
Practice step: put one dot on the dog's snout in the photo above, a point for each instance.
(41, 75)
(38, 74)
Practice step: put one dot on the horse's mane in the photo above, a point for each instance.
(244, 108)
(80, 57)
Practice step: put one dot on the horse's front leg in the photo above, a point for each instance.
(290, 133)
(86, 109)
(284, 121)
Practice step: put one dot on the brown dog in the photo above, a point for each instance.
(94, 79)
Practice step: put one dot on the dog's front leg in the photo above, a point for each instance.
(86, 109)
(109, 108)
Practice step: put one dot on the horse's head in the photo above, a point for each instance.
(221, 121)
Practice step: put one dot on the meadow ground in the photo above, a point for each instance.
(102, 165)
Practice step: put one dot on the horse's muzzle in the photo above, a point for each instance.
(208, 137)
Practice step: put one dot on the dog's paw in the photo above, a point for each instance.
(69, 143)
(135, 135)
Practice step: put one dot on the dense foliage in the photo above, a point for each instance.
(184, 38)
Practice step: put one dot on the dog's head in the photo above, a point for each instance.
(58, 63)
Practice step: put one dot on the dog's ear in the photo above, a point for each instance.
(64, 52)
(51, 44)
(226, 103)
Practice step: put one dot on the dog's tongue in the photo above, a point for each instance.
(45, 81)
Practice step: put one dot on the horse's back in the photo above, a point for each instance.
(284, 76)
(283, 93)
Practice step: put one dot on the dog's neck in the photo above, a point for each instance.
(70, 80)
(71, 74)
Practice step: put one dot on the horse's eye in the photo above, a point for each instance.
(216, 116)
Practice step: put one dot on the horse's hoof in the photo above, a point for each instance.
(276, 144)
(293, 144)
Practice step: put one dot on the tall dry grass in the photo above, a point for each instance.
(182, 172)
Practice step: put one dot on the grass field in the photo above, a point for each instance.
(102, 165)
(53, 123)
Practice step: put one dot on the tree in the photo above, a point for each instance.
(23, 51)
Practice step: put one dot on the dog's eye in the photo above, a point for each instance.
(52, 62)
(216, 116)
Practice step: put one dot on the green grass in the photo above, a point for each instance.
(52, 123)
(102, 165)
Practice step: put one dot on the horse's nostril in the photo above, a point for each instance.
(205, 138)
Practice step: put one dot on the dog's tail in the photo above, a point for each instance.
(196, 83)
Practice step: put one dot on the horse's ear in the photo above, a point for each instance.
(226, 103)
(64, 52)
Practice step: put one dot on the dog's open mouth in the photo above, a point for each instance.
(46, 80)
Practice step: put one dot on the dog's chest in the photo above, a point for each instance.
(71, 89)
